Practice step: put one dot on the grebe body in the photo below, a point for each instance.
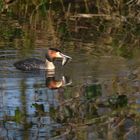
(30, 64)
(34, 63)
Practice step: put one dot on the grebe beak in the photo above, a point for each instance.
(65, 59)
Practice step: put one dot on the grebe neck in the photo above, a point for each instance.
(49, 65)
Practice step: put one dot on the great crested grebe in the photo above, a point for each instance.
(34, 63)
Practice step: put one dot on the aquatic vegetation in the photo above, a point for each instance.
(114, 24)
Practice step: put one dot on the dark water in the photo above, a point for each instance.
(100, 99)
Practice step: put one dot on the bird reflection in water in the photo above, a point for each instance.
(49, 97)
(53, 83)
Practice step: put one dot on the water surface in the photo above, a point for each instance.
(100, 100)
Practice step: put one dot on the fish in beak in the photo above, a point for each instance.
(66, 81)
(65, 59)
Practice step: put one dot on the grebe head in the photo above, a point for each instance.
(54, 53)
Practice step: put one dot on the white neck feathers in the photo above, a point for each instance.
(49, 65)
